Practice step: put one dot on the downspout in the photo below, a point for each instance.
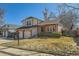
(23, 33)
(32, 25)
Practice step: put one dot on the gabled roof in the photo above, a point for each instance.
(31, 18)
(50, 22)
(9, 26)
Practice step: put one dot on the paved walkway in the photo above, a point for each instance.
(9, 51)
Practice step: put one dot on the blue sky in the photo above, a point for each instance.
(14, 13)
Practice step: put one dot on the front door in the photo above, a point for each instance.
(42, 30)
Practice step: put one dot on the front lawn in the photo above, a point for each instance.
(55, 46)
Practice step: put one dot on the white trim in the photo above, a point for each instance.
(49, 29)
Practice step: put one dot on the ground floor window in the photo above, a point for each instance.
(54, 29)
(49, 29)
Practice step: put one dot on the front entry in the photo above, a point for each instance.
(42, 29)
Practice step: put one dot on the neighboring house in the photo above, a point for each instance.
(0, 32)
(31, 26)
(76, 29)
(8, 29)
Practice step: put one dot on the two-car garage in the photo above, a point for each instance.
(24, 34)
(27, 32)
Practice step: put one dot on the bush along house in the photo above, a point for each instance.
(32, 26)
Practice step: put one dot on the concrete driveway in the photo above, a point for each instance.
(9, 51)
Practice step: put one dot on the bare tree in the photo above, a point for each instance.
(52, 16)
(48, 15)
(67, 16)
(1, 16)
(45, 13)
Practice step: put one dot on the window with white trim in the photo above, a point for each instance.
(29, 23)
(49, 29)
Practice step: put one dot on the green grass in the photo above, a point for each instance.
(55, 46)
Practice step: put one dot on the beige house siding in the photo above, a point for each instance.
(59, 28)
(34, 31)
(33, 22)
(24, 23)
(20, 34)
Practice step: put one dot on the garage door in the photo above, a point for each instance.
(34, 31)
(20, 34)
(27, 34)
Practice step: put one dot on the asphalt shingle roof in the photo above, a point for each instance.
(24, 27)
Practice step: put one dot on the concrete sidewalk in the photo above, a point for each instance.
(2, 40)
(19, 52)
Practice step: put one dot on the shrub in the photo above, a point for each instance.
(69, 33)
(49, 34)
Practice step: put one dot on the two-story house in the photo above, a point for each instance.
(31, 26)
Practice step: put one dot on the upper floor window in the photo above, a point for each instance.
(24, 23)
(29, 23)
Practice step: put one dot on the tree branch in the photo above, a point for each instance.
(71, 6)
